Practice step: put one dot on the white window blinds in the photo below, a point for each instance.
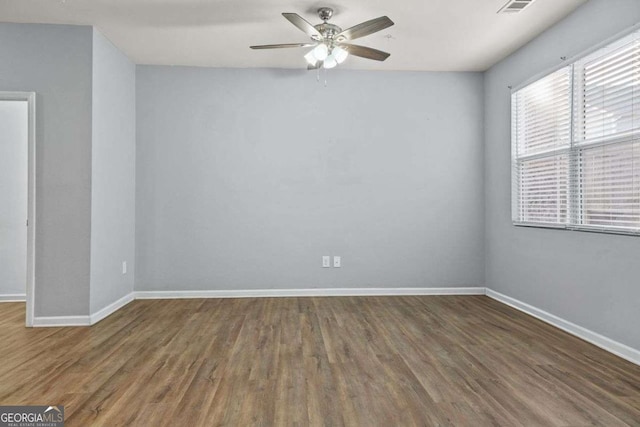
(576, 143)
(541, 126)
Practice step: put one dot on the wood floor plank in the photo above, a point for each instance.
(321, 361)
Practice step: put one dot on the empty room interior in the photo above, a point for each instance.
(420, 213)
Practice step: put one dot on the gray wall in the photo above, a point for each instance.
(55, 62)
(14, 147)
(112, 174)
(587, 278)
(245, 178)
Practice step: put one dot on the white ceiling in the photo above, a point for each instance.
(435, 35)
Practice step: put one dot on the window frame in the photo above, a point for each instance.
(575, 207)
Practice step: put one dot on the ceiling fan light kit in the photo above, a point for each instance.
(329, 41)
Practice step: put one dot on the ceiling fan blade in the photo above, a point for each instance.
(314, 67)
(302, 24)
(364, 29)
(281, 46)
(365, 52)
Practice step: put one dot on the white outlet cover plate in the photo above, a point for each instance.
(337, 262)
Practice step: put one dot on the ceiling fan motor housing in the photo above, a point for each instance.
(327, 30)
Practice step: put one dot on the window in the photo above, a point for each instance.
(576, 144)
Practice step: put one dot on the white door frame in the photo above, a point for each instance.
(30, 97)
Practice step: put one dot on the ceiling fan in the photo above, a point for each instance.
(330, 42)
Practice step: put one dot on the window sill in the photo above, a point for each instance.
(578, 228)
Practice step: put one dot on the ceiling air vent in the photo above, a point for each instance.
(514, 6)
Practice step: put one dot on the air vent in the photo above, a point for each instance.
(514, 6)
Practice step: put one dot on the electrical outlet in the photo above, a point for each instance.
(337, 262)
(124, 267)
(326, 261)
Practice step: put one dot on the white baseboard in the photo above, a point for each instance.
(316, 292)
(621, 350)
(13, 297)
(111, 308)
(56, 321)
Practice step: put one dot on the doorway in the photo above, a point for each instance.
(17, 199)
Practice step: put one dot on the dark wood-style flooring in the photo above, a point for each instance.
(360, 361)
